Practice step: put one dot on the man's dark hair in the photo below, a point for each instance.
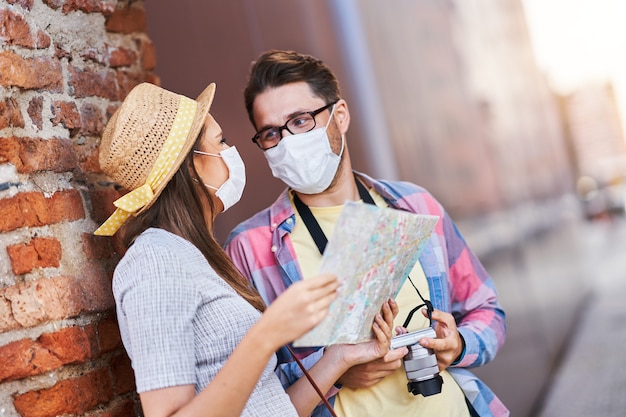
(276, 68)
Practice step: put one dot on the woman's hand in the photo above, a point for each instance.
(372, 361)
(300, 308)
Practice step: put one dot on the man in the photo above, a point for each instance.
(295, 106)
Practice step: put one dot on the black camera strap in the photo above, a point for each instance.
(311, 223)
(426, 303)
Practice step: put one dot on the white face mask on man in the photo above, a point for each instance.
(305, 161)
(230, 192)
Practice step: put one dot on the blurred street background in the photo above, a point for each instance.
(510, 112)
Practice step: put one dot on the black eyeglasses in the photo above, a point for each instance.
(300, 123)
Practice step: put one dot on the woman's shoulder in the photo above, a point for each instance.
(157, 253)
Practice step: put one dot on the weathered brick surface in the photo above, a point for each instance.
(121, 57)
(66, 113)
(7, 320)
(123, 375)
(148, 57)
(35, 106)
(65, 91)
(16, 31)
(91, 120)
(109, 336)
(25, 358)
(127, 80)
(87, 155)
(30, 73)
(28, 357)
(73, 396)
(33, 209)
(10, 114)
(127, 20)
(62, 297)
(38, 253)
(30, 155)
(104, 7)
(96, 247)
(71, 344)
(102, 203)
(89, 83)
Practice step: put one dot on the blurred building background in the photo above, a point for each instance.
(446, 94)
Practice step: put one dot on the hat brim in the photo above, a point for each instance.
(204, 100)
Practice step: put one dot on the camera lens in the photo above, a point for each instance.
(427, 387)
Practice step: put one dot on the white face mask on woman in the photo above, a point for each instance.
(305, 161)
(230, 192)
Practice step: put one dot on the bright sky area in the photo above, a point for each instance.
(577, 41)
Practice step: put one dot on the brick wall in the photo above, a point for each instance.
(65, 65)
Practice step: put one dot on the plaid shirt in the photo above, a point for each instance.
(262, 249)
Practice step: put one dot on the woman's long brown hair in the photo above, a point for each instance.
(179, 210)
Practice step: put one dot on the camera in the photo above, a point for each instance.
(420, 364)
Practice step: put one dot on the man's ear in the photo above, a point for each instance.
(342, 116)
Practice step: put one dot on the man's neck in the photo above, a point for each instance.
(344, 189)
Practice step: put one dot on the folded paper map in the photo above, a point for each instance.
(372, 250)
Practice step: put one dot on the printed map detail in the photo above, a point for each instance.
(372, 250)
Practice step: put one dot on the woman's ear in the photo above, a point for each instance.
(342, 116)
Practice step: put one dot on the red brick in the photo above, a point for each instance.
(87, 155)
(153, 78)
(16, 31)
(109, 335)
(95, 286)
(127, 80)
(10, 114)
(127, 19)
(102, 203)
(38, 253)
(62, 297)
(110, 110)
(88, 83)
(104, 7)
(91, 120)
(66, 113)
(25, 358)
(65, 205)
(71, 344)
(71, 396)
(30, 73)
(43, 40)
(33, 209)
(96, 247)
(121, 57)
(35, 107)
(123, 375)
(7, 321)
(30, 155)
(50, 351)
(148, 54)
(54, 4)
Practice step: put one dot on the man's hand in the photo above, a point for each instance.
(448, 345)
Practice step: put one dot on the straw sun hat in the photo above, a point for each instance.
(144, 144)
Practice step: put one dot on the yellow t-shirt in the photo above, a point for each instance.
(390, 397)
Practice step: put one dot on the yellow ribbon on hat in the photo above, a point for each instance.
(138, 198)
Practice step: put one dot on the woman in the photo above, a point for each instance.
(191, 324)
